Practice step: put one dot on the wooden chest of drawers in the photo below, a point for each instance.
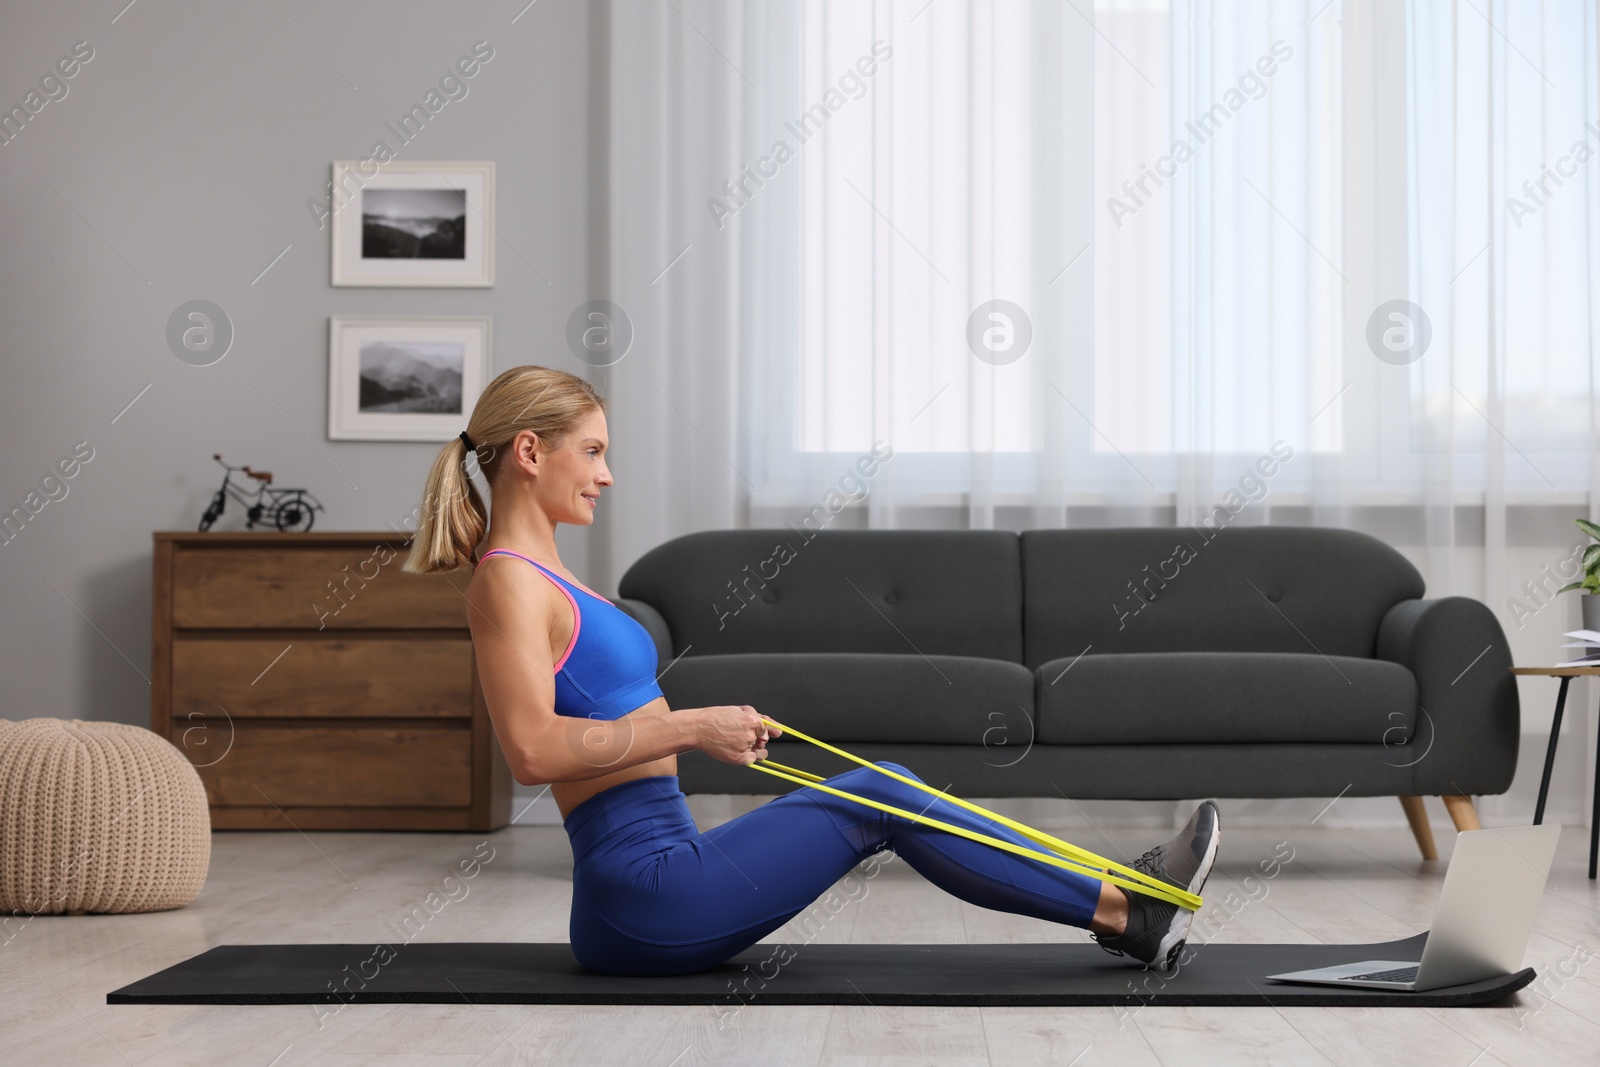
(315, 685)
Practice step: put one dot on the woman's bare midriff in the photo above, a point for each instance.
(569, 795)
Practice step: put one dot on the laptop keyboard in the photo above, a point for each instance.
(1399, 974)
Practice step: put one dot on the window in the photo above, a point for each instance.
(1197, 209)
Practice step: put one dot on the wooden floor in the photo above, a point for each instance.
(1339, 886)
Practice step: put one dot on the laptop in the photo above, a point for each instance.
(1481, 924)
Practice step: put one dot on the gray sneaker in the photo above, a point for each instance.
(1156, 928)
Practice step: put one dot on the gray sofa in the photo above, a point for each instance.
(1145, 663)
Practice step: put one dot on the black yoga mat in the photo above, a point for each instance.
(775, 973)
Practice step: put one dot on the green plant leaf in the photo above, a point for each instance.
(1589, 528)
(1569, 586)
(1591, 557)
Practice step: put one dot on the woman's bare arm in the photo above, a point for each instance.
(512, 614)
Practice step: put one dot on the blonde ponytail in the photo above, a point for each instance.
(453, 519)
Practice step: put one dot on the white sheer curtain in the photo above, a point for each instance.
(676, 95)
(934, 183)
(1502, 239)
(1155, 192)
(1197, 208)
(1156, 187)
(813, 203)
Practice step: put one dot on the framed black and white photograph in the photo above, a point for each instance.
(413, 223)
(405, 377)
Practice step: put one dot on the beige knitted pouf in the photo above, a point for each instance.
(98, 817)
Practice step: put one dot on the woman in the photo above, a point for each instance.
(569, 679)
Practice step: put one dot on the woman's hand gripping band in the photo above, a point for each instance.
(735, 734)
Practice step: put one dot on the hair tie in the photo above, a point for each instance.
(468, 442)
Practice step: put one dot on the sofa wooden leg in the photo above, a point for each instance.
(1417, 816)
(1462, 813)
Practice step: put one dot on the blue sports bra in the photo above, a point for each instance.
(614, 671)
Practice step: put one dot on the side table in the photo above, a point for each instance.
(1566, 674)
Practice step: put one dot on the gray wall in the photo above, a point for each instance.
(176, 167)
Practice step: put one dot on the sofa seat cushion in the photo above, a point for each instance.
(845, 697)
(1224, 697)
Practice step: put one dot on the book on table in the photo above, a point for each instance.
(1587, 639)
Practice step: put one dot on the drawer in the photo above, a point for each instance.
(310, 587)
(322, 676)
(353, 765)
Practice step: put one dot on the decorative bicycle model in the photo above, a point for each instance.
(287, 509)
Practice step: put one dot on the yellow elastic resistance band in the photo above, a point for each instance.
(1070, 856)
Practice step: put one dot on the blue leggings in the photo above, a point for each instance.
(652, 895)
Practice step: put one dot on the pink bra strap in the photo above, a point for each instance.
(577, 615)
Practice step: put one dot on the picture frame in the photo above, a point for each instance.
(414, 223)
(405, 377)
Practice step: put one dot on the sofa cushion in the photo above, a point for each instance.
(845, 697)
(1106, 772)
(911, 592)
(1224, 698)
(1189, 589)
